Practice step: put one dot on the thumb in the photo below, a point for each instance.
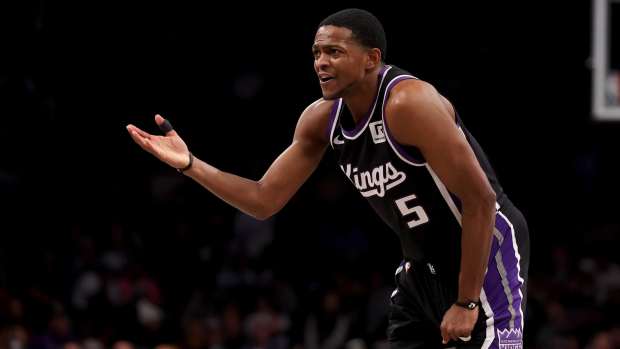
(165, 126)
(444, 333)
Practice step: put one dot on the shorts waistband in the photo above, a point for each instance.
(411, 264)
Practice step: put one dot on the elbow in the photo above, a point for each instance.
(488, 199)
(266, 202)
(263, 211)
(483, 196)
(480, 201)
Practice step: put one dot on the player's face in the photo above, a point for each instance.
(339, 60)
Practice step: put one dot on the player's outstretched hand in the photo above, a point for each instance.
(169, 148)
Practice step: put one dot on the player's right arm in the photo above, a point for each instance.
(263, 198)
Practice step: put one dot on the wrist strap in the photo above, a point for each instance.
(468, 304)
(191, 162)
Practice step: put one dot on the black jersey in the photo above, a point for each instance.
(397, 182)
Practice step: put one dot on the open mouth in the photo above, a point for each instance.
(326, 79)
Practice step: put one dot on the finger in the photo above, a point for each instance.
(444, 334)
(451, 333)
(463, 331)
(164, 125)
(451, 337)
(454, 334)
(141, 141)
(464, 334)
(136, 137)
(159, 119)
(133, 128)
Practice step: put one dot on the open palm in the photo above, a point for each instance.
(170, 148)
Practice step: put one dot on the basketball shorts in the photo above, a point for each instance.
(423, 295)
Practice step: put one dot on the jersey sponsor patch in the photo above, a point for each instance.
(375, 181)
(376, 131)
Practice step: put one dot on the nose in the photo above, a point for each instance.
(321, 62)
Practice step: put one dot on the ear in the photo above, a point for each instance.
(374, 58)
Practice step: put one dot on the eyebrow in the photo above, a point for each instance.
(318, 46)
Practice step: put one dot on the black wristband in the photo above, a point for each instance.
(191, 161)
(468, 304)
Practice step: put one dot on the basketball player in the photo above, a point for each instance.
(403, 146)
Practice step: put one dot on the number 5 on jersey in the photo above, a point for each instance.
(405, 209)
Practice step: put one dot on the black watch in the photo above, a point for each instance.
(189, 165)
(468, 304)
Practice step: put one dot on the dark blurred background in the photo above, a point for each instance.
(104, 246)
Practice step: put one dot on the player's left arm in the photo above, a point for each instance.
(416, 114)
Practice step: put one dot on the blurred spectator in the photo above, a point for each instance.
(166, 346)
(251, 236)
(267, 327)
(194, 334)
(376, 313)
(14, 337)
(232, 326)
(327, 327)
(601, 340)
(123, 345)
(72, 345)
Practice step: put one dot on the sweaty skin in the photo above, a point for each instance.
(417, 115)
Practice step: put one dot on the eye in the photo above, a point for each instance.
(334, 52)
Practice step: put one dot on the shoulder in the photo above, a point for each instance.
(319, 108)
(411, 93)
(314, 120)
(415, 112)
(415, 99)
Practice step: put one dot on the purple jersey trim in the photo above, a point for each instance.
(332, 119)
(398, 147)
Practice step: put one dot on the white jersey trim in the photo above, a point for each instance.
(445, 193)
(335, 122)
(490, 335)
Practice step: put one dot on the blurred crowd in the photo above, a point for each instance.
(224, 280)
(109, 291)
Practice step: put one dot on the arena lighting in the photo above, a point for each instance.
(606, 60)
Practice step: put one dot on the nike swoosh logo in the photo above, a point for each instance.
(338, 140)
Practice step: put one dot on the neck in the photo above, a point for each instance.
(362, 96)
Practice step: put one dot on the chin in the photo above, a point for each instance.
(331, 95)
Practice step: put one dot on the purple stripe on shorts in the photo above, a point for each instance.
(493, 284)
(495, 294)
(511, 263)
(493, 287)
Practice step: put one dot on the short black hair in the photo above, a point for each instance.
(366, 28)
